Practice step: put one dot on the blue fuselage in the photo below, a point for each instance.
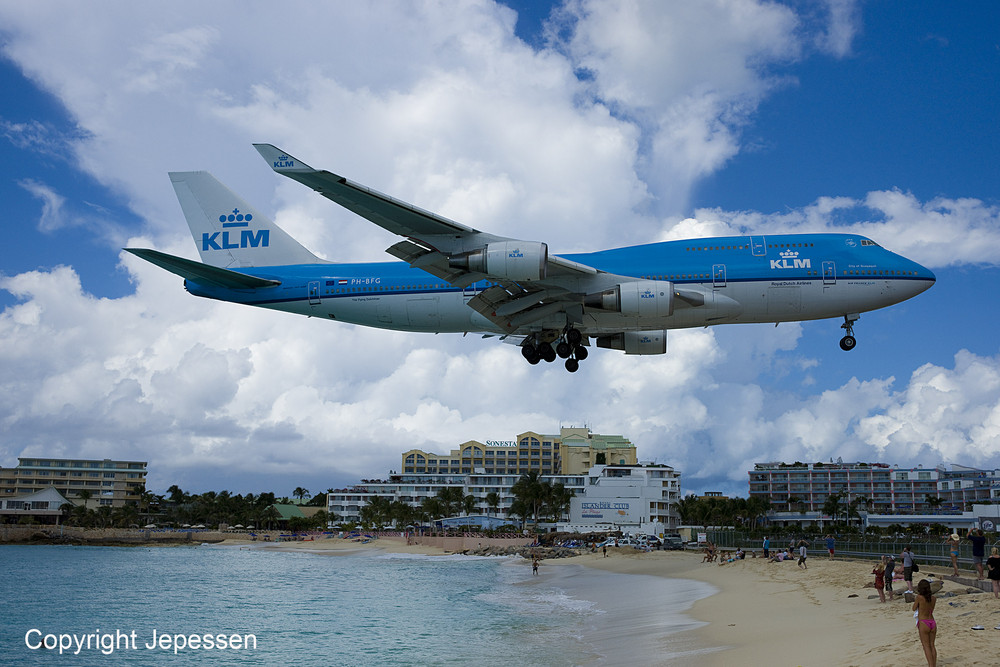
(737, 279)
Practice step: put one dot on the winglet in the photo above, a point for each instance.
(281, 161)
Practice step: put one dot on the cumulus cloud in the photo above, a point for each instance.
(594, 140)
(939, 233)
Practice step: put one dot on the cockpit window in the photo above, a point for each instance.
(865, 242)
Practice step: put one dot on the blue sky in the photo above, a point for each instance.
(586, 125)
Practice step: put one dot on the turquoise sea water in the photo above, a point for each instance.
(310, 609)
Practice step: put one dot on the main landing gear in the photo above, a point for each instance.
(848, 342)
(568, 347)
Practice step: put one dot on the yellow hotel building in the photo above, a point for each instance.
(573, 452)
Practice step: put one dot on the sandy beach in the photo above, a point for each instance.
(773, 613)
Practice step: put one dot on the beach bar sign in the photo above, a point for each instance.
(612, 510)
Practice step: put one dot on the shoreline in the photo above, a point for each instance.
(759, 612)
(777, 613)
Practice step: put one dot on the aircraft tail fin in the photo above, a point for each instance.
(229, 232)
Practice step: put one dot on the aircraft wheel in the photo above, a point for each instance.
(528, 351)
(573, 337)
(564, 349)
(546, 352)
(580, 353)
(572, 365)
(534, 359)
(847, 343)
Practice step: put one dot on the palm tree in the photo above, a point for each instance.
(469, 504)
(687, 507)
(558, 501)
(300, 493)
(531, 491)
(376, 513)
(177, 496)
(269, 516)
(832, 506)
(451, 498)
(84, 496)
(493, 501)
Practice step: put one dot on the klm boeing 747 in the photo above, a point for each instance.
(456, 279)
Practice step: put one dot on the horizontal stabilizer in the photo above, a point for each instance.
(203, 274)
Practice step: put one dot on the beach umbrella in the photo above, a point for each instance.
(239, 525)
(150, 525)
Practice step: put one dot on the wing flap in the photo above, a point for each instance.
(203, 274)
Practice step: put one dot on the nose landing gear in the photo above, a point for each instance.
(848, 342)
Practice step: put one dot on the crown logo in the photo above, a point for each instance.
(789, 254)
(235, 216)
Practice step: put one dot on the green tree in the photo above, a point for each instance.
(375, 514)
(451, 498)
(531, 491)
(935, 502)
(832, 506)
(469, 504)
(432, 508)
(300, 493)
(493, 501)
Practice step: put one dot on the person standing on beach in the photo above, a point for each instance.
(830, 543)
(953, 542)
(604, 550)
(926, 625)
(907, 558)
(802, 554)
(994, 574)
(879, 572)
(978, 550)
(890, 571)
(534, 566)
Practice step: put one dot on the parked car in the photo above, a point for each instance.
(672, 542)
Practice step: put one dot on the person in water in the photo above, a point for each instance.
(926, 625)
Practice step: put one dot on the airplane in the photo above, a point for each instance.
(456, 279)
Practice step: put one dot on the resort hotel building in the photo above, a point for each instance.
(112, 483)
(571, 452)
(883, 488)
(882, 494)
(589, 465)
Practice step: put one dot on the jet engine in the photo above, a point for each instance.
(636, 342)
(639, 298)
(514, 260)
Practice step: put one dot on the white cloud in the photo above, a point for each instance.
(940, 233)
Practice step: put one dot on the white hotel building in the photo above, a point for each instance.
(644, 496)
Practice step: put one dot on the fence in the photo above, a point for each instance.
(933, 552)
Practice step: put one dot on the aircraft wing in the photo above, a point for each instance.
(396, 216)
(452, 251)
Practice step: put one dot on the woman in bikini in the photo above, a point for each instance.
(953, 542)
(926, 625)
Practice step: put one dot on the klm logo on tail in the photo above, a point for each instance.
(248, 238)
(283, 162)
(790, 260)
